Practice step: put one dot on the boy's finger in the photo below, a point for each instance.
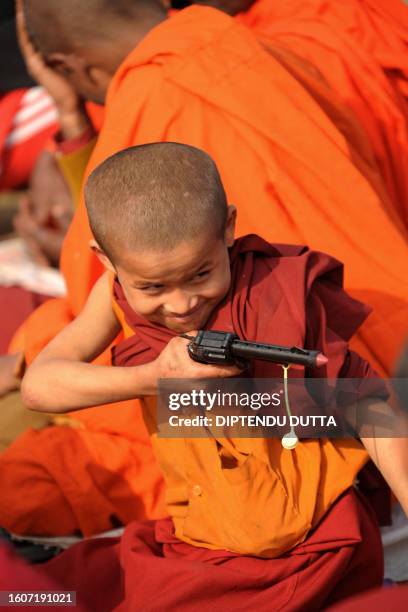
(22, 35)
(211, 371)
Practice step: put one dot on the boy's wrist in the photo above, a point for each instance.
(74, 124)
(148, 373)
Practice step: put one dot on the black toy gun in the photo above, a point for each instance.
(218, 347)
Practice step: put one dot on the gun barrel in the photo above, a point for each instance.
(277, 354)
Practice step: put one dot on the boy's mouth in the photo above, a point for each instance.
(187, 316)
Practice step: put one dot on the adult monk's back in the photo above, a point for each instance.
(360, 47)
(203, 79)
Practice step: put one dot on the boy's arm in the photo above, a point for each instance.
(60, 380)
(390, 455)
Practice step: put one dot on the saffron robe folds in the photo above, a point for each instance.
(360, 48)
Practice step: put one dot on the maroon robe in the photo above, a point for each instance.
(149, 569)
(17, 576)
(283, 294)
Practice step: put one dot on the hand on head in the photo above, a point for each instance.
(72, 115)
(75, 48)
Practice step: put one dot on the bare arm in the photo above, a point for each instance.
(390, 454)
(61, 380)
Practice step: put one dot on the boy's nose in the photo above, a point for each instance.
(180, 303)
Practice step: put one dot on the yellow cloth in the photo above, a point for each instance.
(73, 167)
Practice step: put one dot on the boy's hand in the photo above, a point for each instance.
(8, 379)
(45, 213)
(175, 362)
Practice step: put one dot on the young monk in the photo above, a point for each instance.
(251, 523)
(199, 78)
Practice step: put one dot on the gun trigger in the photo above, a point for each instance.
(186, 336)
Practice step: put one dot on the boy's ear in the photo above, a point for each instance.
(229, 235)
(101, 255)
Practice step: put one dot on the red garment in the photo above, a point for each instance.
(16, 304)
(149, 569)
(284, 294)
(15, 575)
(28, 119)
(393, 598)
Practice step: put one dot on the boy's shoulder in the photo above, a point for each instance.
(255, 244)
(289, 294)
(258, 263)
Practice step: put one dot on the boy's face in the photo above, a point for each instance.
(178, 288)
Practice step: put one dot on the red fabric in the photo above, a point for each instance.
(15, 575)
(393, 598)
(149, 569)
(201, 78)
(18, 161)
(9, 105)
(16, 304)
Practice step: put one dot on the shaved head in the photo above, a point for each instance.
(67, 25)
(154, 197)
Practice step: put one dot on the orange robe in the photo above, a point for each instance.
(361, 49)
(202, 78)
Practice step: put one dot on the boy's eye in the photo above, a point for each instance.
(202, 274)
(151, 288)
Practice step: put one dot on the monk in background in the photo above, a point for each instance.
(295, 169)
(359, 48)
